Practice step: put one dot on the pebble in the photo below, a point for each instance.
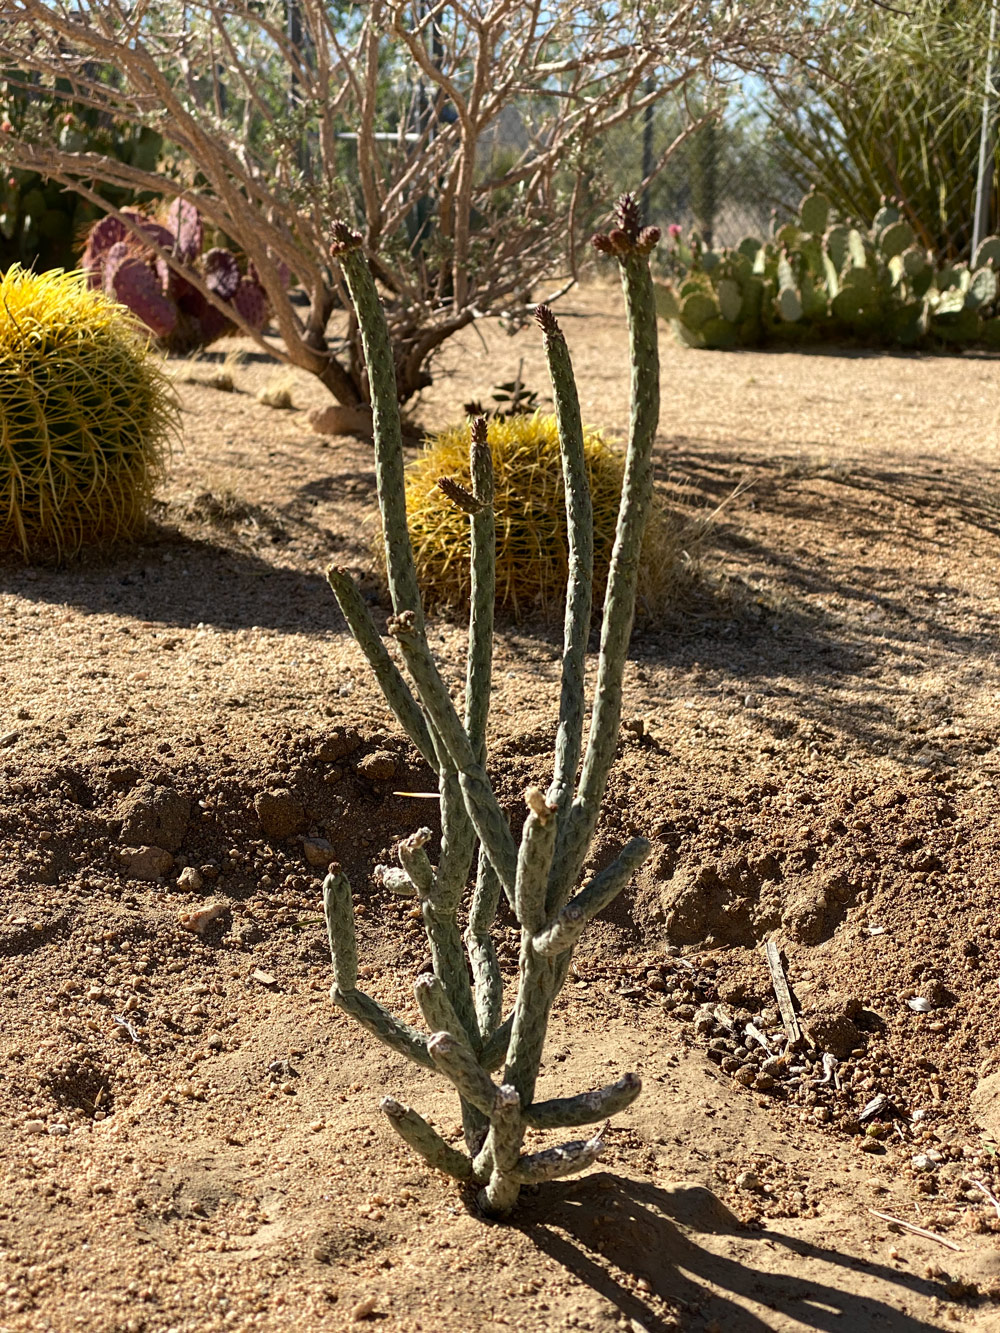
(746, 1075)
(191, 879)
(685, 1012)
(747, 1180)
(34, 1127)
(318, 852)
(919, 1004)
(364, 1309)
(922, 1162)
(59, 1129)
(146, 863)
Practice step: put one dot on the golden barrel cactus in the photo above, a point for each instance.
(529, 505)
(86, 415)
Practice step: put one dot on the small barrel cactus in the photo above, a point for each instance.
(172, 303)
(532, 550)
(85, 416)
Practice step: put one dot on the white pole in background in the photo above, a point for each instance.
(987, 144)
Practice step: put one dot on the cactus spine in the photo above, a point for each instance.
(468, 1037)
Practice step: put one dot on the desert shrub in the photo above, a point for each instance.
(85, 416)
(530, 509)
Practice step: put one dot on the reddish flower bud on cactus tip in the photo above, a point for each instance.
(674, 231)
(629, 219)
(478, 430)
(649, 238)
(343, 239)
(620, 241)
(6, 127)
(602, 244)
(546, 321)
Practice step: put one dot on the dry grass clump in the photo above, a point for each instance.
(532, 547)
(86, 414)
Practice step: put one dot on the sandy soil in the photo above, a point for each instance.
(190, 1131)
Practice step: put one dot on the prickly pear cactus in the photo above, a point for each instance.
(158, 270)
(819, 277)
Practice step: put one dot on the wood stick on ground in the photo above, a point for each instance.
(917, 1231)
(783, 994)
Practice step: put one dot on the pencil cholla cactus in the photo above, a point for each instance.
(468, 1036)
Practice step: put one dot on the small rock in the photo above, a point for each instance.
(265, 978)
(197, 922)
(59, 1129)
(146, 863)
(190, 879)
(747, 1180)
(380, 766)
(364, 1309)
(318, 852)
(763, 1083)
(338, 419)
(704, 1025)
(685, 1012)
(919, 1004)
(280, 813)
(34, 1127)
(746, 1075)
(922, 1162)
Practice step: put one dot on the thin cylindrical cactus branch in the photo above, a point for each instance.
(580, 577)
(338, 908)
(393, 1033)
(415, 1131)
(414, 860)
(534, 860)
(457, 1062)
(482, 951)
(395, 879)
(436, 1006)
(394, 687)
(485, 812)
(482, 592)
(495, 1048)
(501, 1152)
(587, 1108)
(631, 245)
(602, 890)
(566, 1160)
(400, 570)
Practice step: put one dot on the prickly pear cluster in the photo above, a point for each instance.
(133, 269)
(819, 277)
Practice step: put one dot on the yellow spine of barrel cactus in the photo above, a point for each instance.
(529, 505)
(86, 416)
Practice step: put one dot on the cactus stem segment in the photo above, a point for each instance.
(587, 1108)
(415, 1131)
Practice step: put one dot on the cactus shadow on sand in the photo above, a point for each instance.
(693, 1256)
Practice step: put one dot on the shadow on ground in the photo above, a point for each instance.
(612, 1233)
